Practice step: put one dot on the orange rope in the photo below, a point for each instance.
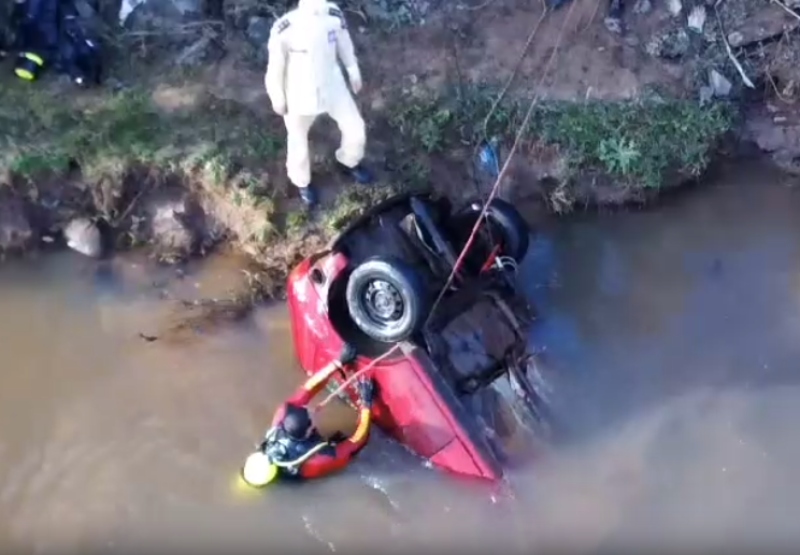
(355, 376)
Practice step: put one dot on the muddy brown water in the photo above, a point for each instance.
(671, 336)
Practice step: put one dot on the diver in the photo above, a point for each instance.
(294, 448)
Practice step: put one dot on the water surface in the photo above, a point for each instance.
(671, 334)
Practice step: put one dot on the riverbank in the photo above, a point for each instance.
(179, 155)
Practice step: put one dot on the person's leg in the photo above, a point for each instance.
(298, 162)
(354, 138)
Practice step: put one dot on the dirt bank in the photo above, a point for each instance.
(179, 151)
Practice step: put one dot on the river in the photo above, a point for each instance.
(670, 335)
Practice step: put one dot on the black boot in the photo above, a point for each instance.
(308, 195)
(358, 173)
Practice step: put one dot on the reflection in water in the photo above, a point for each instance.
(670, 334)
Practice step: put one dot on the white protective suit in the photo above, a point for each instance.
(304, 80)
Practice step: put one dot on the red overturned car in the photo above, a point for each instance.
(457, 390)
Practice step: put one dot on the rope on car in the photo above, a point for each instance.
(501, 95)
(504, 170)
(484, 132)
(355, 376)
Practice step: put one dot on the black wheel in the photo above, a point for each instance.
(508, 222)
(505, 226)
(387, 299)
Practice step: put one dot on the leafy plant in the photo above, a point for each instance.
(618, 155)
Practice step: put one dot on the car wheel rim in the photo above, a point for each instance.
(383, 302)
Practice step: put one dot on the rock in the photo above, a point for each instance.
(176, 227)
(674, 7)
(787, 161)
(615, 9)
(642, 7)
(182, 8)
(706, 94)
(697, 19)
(768, 21)
(671, 45)
(614, 25)
(203, 51)
(378, 102)
(126, 8)
(398, 12)
(258, 29)
(83, 236)
(720, 86)
(16, 232)
(735, 38)
(170, 233)
(778, 135)
(148, 14)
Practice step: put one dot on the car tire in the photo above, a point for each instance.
(387, 299)
(506, 219)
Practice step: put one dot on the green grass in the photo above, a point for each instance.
(638, 142)
(220, 145)
(231, 151)
(109, 132)
(354, 201)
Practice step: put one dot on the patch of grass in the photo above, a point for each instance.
(411, 170)
(44, 131)
(353, 202)
(439, 122)
(638, 142)
(45, 135)
(219, 145)
(215, 166)
(296, 221)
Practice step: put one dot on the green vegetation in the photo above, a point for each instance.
(108, 132)
(234, 156)
(354, 201)
(217, 144)
(638, 142)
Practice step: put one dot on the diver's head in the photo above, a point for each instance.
(258, 470)
(297, 422)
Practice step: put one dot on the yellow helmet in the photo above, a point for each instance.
(258, 470)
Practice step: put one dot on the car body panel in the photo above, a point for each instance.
(414, 404)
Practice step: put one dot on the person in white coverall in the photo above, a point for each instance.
(303, 80)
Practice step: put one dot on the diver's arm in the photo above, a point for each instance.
(303, 395)
(324, 464)
(316, 382)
